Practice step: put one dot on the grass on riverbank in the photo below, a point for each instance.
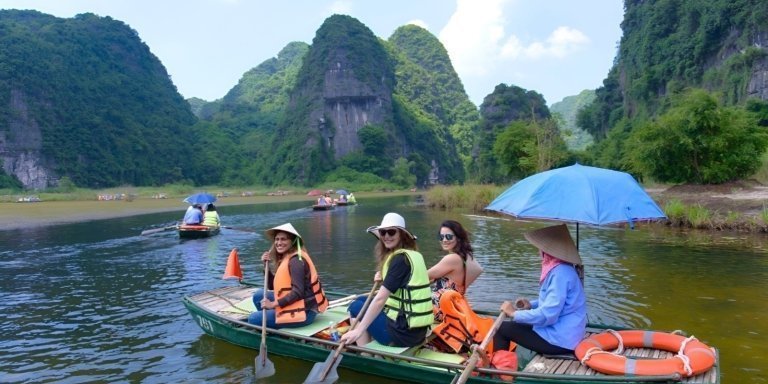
(477, 197)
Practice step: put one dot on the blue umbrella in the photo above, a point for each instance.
(579, 194)
(342, 192)
(200, 198)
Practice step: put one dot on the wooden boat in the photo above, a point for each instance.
(197, 231)
(223, 313)
(344, 203)
(323, 207)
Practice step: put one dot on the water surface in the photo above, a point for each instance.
(95, 301)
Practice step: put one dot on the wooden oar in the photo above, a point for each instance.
(156, 230)
(239, 229)
(461, 379)
(325, 372)
(264, 367)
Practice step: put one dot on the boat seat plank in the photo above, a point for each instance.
(335, 315)
(375, 345)
(444, 357)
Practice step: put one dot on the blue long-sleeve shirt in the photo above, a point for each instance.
(559, 316)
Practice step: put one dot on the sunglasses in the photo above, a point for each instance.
(391, 232)
(446, 236)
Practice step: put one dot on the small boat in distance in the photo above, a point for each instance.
(223, 313)
(318, 207)
(187, 231)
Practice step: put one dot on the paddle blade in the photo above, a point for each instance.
(321, 373)
(264, 366)
(156, 230)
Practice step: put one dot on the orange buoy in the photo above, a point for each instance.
(233, 266)
(692, 356)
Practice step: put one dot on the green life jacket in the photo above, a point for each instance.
(415, 300)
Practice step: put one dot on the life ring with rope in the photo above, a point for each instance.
(602, 352)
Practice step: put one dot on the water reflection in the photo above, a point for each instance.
(97, 302)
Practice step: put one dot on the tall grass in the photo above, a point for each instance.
(699, 216)
(474, 197)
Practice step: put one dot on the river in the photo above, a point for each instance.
(97, 302)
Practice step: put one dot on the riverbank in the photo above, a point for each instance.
(732, 206)
(736, 206)
(35, 214)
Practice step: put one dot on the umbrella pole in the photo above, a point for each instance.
(577, 235)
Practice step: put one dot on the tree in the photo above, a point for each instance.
(525, 148)
(699, 141)
(401, 173)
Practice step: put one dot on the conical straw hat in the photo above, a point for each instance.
(556, 241)
(287, 227)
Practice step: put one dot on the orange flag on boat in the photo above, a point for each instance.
(233, 267)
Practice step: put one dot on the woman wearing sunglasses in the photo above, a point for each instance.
(458, 269)
(401, 312)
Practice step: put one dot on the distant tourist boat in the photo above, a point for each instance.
(197, 231)
(328, 207)
(28, 199)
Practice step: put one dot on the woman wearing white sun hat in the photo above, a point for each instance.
(401, 312)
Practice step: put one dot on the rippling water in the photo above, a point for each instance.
(97, 302)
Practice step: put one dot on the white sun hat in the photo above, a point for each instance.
(390, 220)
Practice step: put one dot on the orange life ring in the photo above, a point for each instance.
(693, 357)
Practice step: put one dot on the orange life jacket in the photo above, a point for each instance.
(296, 312)
(461, 326)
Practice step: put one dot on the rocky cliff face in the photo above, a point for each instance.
(758, 82)
(21, 145)
(350, 104)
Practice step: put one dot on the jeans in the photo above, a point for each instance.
(256, 317)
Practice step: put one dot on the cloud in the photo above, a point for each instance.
(419, 22)
(475, 38)
(472, 35)
(341, 7)
(560, 43)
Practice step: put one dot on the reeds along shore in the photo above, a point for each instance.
(476, 197)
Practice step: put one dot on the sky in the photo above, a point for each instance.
(555, 47)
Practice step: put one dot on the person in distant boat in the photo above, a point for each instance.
(328, 200)
(458, 269)
(401, 312)
(343, 198)
(211, 217)
(321, 201)
(295, 295)
(194, 215)
(351, 198)
(556, 322)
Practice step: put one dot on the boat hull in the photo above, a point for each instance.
(197, 231)
(209, 310)
(323, 207)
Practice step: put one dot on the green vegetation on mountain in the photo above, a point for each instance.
(102, 106)
(502, 110)
(668, 48)
(426, 78)
(566, 112)
(85, 101)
